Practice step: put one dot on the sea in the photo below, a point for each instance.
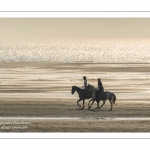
(103, 50)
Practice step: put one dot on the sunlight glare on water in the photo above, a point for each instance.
(72, 50)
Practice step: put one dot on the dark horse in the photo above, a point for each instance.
(104, 96)
(80, 92)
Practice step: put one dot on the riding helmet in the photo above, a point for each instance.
(84, 77)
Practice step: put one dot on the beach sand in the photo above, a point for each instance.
(29, 90)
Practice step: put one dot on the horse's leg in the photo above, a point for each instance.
(92, 103)
(78, 102)
(83, 104)
(89, 104)
(93, 100)
(102, 104)
(110, 100)
(97, 105)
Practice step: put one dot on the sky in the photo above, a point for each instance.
(74, 27)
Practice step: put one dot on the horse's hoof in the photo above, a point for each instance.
(110, 109)
(89, 107)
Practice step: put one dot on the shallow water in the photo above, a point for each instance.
(72, 50)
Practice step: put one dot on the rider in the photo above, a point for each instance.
(100, 88)
(85, 86)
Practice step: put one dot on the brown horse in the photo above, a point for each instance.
(104, 96)
(81, 93)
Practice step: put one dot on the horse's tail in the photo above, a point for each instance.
(114, 98)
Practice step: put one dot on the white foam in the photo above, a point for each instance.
(78, 118)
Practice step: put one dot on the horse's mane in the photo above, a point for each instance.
(78, 87)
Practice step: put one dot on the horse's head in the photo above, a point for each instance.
(73, 90)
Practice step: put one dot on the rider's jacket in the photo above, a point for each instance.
(85, 84)
(100, 86)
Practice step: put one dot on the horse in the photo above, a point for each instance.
(104, 96)
(90, 94)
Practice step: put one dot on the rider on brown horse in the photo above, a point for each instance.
(85, 86)
(100, 89)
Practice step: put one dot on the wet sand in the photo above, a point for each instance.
(44, 90)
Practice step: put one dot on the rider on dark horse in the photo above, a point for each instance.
(100, 89)
(85, 86)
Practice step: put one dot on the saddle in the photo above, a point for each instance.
(87, 91)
